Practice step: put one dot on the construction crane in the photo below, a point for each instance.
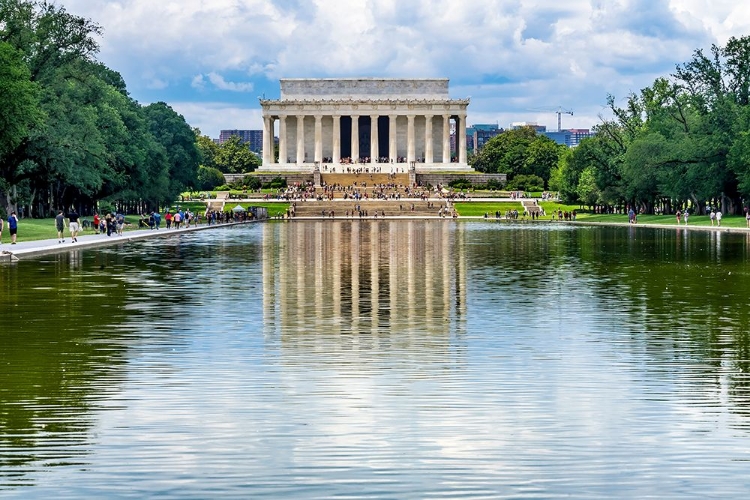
(560, 111)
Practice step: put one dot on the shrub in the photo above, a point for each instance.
(209, 178)
(275, 183)
(460, 184)
(494, 184)
(526, 183)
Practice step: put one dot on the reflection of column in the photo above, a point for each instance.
(300, 139)
(355, 277)
(284, 258)
(355, 138)
(283, 154)
(319, 138)
(428, 153)
(267, 144)
(429, 289)
(301, 269)
(318, 265)
(446, 258)
(461, 278)
(392, 145)
(411, 275)
(336, 139)
(461, 133)
(374, 273)
(374, 146)
(446, 139)
(269, 291)
(410, 146)
(393, 273)
(336, 287)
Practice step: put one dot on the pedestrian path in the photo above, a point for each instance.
(35, 248)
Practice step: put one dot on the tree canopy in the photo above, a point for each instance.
(70, 135)
(683, 141)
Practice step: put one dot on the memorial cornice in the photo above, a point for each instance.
(352, 106)
(268, 102)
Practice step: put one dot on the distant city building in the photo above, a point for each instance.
(478, 135)
(539, 128)
(253, 138)
(571, 137)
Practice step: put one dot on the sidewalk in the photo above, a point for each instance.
(24, 249)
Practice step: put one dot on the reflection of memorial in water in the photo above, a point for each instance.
(388, 279)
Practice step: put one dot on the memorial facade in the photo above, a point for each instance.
(378, 124)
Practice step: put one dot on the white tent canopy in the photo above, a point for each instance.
(238, 208)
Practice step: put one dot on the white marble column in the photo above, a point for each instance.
(355, 139)
(283, 155)
(300, 139)
(374, 146)
(446, 139)
(267, 143)
(428, 146)
(336, 139)
(392, 144)
(410, 146)
(461, 132)
(319, 138)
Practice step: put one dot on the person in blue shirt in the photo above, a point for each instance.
(13, 227)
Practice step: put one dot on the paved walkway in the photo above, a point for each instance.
(35, 248)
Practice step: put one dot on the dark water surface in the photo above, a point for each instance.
(381, 359)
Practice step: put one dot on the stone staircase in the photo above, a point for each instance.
(369, 179)
(217, 203)
(530, 207)
(369, 209)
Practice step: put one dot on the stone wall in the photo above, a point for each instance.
(476, 179)
(432, 178)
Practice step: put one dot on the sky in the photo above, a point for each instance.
(517, 60)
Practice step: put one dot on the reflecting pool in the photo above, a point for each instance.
(380, 359)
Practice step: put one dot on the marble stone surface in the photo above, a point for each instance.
(364, 88)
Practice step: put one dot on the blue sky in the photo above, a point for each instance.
(517, 60)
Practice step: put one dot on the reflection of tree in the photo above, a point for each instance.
(57, 353)
(679, 295)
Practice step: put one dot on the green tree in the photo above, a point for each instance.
(207, 149)
(234, 157)
(209, 178)
(20, 111)
(178, 139)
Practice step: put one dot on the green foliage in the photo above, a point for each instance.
(209, 178)
(252, 182)
(526, 183)
(460, 183)
(69, 132)
(235, 157)
(275, 183)
(518, 152)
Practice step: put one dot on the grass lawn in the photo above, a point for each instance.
(479, 208)
(44, 229)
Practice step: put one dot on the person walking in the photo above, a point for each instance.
(60, 225)
(73, 225)
(13, 227)
(718, 217)
(712, 216)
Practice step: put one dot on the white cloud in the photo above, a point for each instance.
(211, 117)
(535, 52)
(222, 84)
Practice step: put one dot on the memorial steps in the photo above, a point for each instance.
(356, 180)
(388, 209)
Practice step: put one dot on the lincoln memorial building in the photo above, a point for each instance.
(383, 125)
